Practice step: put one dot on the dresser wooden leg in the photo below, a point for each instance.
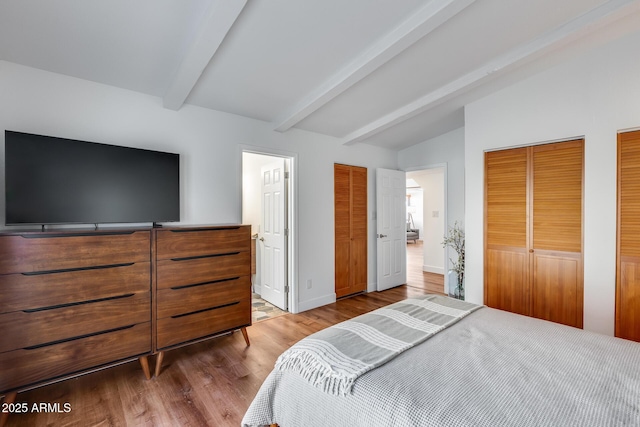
(159, 362)
(144, 362)
(8, 400)
(246, 336)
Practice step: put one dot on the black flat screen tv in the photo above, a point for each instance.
(52, 180)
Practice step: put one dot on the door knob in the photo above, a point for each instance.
(262, 239)
(382, 235)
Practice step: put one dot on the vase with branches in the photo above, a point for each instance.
(455, 240)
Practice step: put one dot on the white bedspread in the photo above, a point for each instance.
(492, 368)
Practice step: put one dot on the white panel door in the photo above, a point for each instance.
(272, 235)
(391, 189)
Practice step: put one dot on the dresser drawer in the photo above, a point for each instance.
(201, 270)
(176, 330)
(24, 367)
(33, 252)
(172, 302)
(23, 292)
(172, 244)
(28, 329)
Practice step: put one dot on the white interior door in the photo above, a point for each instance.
(391, 228)
(272, 235)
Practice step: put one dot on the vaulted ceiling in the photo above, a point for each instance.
(390, 73)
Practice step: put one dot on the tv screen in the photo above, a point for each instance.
(62, 181)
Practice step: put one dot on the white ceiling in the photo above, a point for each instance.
(391, 73)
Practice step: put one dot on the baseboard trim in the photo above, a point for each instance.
(257, 288)
(316, 302)
(432, 269)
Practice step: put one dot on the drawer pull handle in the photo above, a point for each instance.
(67, 270)
(205, 229)
(175, 288)
(71, 304)
(206, 309)
(47, 344)
(56, 235)
(203, 256)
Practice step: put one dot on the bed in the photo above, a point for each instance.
(486, 368)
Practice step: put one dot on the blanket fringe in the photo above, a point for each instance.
(312, 369)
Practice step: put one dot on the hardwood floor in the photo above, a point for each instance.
(431, 282)
(206, 384)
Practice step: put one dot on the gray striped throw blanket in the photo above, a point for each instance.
(332, 359)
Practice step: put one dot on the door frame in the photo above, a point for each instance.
(292, 214)
(445, 213)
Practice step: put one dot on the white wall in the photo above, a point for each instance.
(209, 143)
(445, 149)
(432, 183)
(595, 96)
(449, 150)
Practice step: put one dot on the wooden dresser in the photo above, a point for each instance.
(71, 302)
(203, 284)
(75, 301)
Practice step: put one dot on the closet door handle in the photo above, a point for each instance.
(530, 251)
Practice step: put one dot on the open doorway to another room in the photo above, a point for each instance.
(426, 225)
(266, 201)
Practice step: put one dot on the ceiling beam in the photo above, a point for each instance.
(421, 23)
(568, 32)
(214, 27)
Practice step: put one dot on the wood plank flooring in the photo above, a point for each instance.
(431, 282)
(206, 384)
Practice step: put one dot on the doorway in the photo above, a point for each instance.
(426, 227)
(267, 205)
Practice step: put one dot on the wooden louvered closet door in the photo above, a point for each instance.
(533, 222)
(628, 265)
(556, 247)
(350, 212)
(506, 254)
